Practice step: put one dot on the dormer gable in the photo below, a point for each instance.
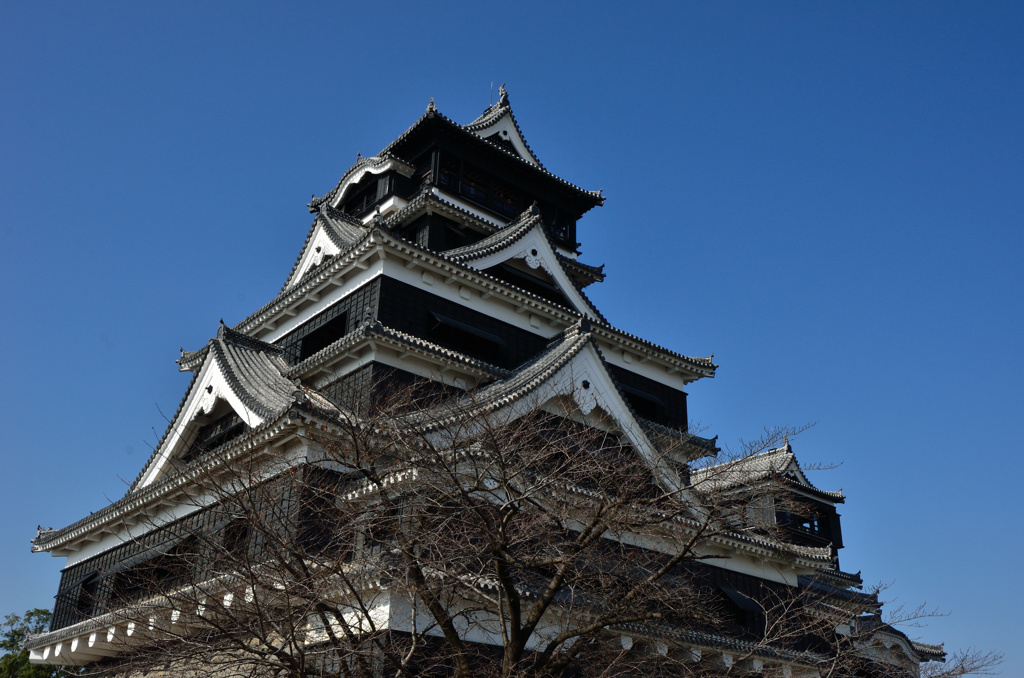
(238, 385)
(569, 378)
(332, 232)
(498, 125)
(524, 244)
(756, 469)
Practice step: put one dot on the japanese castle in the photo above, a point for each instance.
(449, 261)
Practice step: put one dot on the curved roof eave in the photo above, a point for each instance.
(432, 114)
(494, 115)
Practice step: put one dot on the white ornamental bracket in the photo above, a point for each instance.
(585, 395)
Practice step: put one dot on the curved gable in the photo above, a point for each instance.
(525, 240)
(364, 166)
(233, 369)
(570, 375)
(498, 125)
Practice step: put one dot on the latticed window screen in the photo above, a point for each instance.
(332, 324)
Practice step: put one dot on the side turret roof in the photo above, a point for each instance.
(757, 468)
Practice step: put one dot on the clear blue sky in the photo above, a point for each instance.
(827, 196)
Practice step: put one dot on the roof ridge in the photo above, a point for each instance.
(373, 160)
(493, 115)
(498, 240)
(524, 380)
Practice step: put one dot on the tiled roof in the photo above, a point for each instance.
(872, 624)
(582, 274)
(499, 240)
(343, 230)
(427, 197)
(703, 366)
(383, 158)
(929, 652)
(714, 641)
(867, 600)
(523, 381)
(654, 430)
(819, 555)
(433, 114)
(374, 328)
(493, 115)
(778, 462)
(137, 498)
(508, 236)
(254, 371)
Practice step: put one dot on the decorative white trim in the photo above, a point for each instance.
(210, 387)
(320, 246)
(536, 252)
(370, 168)
(392, 204)
(504, 128)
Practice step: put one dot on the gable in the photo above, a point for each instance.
(569, 379)
(237, 377)
(361, 169)
(527, 246)
(505, 134)
(498, 125)
(584, 388)
(209, 394)
(319, 247)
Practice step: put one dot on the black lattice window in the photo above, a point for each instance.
(331, 324)
(214, 434)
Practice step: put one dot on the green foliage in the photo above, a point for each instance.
(13, 631)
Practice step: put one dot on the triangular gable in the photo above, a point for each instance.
(208, 388)
(748, 471)
(234, 369)
(526, 240)
(332, 232)
(585, 378)
(319, 246)
(571, 370)
(498, 125)
(786, 465)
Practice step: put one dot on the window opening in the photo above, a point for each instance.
(323, 336)
(214, 434)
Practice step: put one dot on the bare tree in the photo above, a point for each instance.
(447, 537)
